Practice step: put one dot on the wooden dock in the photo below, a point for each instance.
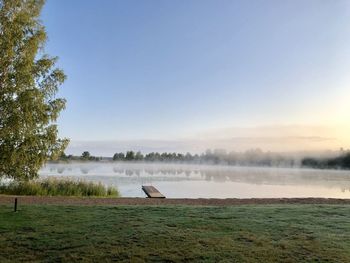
(152, 192)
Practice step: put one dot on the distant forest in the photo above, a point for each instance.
(339, 162)
(248, 158)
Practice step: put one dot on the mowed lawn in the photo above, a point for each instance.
(261, 233)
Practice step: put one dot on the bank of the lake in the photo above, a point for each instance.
(122, 201)
(246, 233)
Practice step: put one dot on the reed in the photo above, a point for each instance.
(58, 187)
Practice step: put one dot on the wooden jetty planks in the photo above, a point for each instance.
(152, 192)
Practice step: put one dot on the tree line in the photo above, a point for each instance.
(85, 156)
(255, 157)
(339, 162)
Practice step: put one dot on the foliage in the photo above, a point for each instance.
(28, 84)
(339, 162)
(85, 155)
(251, 157)
(138, 156)
(130, 156)
(254, 233)
(57, 187)
(118, 157)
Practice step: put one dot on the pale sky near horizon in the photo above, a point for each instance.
(203, 70)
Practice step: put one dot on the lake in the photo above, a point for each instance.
(208, 181)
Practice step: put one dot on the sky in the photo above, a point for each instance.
(188, 75)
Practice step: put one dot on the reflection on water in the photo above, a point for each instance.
(202, 181)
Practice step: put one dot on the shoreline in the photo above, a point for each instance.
(91, 201)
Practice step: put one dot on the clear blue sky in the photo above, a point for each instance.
(170, 69)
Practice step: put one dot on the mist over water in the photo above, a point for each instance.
(208, 181)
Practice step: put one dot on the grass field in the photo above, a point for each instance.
(261, 233)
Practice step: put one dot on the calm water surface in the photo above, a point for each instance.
(204, 181)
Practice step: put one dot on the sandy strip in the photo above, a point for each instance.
(44, 200)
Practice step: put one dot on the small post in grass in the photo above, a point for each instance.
(15, 209)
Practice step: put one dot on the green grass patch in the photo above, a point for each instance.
(58, 187)
(269, 233)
